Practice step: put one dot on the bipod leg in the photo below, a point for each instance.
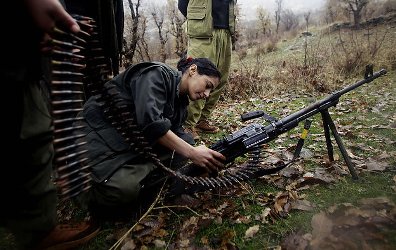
(330, 124)
(330, 151)
(301, 141)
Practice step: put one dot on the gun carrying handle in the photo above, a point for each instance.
(255, 114)
(251, 115)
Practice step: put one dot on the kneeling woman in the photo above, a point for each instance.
(157, 95)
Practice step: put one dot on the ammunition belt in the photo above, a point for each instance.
(80, 70)
(118, 112)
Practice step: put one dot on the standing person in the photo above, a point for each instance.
(157, 96)
(210, 25)
(29, 197)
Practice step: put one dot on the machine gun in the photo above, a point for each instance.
(252, 136)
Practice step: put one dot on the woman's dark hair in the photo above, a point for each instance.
(204, 66)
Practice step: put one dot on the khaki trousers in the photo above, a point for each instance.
(217, 49)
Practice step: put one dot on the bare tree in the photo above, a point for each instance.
(289, 20)
(356, 7)
(264, 20)
(158, 15)
(307, 15)
(332, 11)
(238, 29)
(176, 20)
(278, 11)
(306, 18)
(134, 34)
(142, 45)
(389, 6)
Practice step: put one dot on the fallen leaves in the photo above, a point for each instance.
(302, 205)
(374, 165)
(252, 231)
(394, 187)
(354, 227)
(343, 226)
(295, 241)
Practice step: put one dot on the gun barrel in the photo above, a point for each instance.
(292, 120)
(361, 82)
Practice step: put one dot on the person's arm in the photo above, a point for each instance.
(182, 6)
(48, 13)
(200, 155)
(151, 92)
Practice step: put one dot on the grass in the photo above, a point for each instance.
(370, 185)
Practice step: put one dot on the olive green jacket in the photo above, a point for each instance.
(203, 17)
(150, 90)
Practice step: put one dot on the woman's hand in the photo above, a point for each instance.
(207, 158)
(201, 156)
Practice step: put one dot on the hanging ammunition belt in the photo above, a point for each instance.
(79, 70)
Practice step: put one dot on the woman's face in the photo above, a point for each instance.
(200, 86)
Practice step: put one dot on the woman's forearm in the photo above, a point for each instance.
(173, 142)
(200, 155)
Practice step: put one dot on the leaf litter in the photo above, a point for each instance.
(350, 226)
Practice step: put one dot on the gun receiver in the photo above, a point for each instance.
(253, 135)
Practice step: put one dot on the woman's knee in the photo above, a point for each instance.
(116, 194)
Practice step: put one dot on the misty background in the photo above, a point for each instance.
(248, 7)
(155, 30)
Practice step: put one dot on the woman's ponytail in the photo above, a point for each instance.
(204, 66)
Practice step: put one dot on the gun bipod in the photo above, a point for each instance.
(328, 126)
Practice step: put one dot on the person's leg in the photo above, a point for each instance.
(30, 210)
(222, 45)
(122, 188)
(31, 198)
(198, 47)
